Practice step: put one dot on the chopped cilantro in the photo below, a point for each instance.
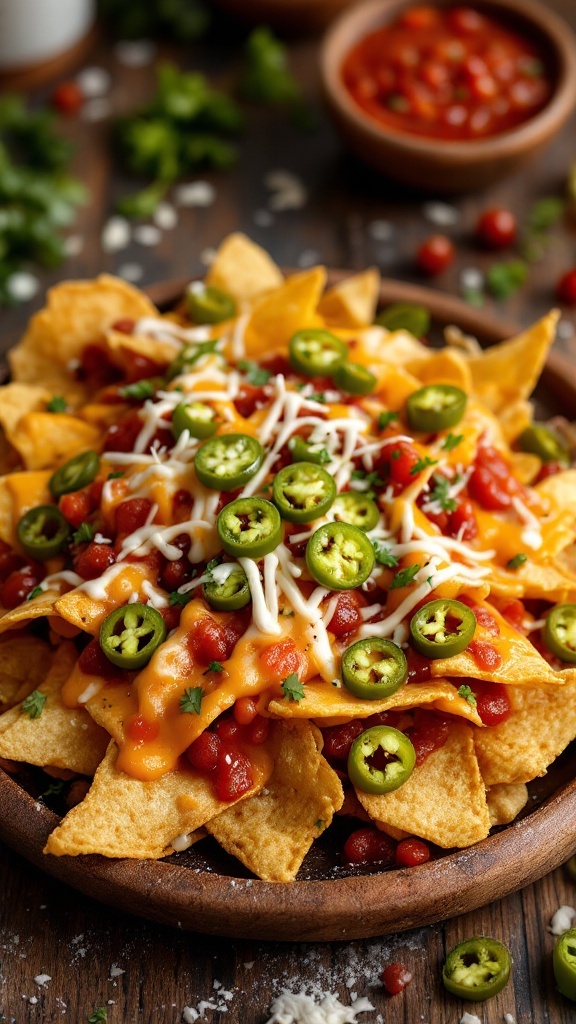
(503, 279)
(395, 454)
(292, 688)
(451, 441)
(178, 600)
(214, 666)
(371, 479)
(116, 474)
(386, 418)
(99, 1015)
(34, 704)
(405, 577)
(34, 593)
(54, 789)
(320, 824)
(465, 692)
(57, 404)
(266, 76)
(422, 464)
(517, 561)
(84, 533)
(440, 493)
(191, 700)
(139, 391)
(384, 555)
(255, 374)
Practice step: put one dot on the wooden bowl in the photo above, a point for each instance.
(293, 16)
(434, 164)
(204, 890)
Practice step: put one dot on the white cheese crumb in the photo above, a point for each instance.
(115, 234)
(441, 214)
(115, 971)
(565, 330)
(300, 1008)
(22, 286)
(189, 1015)
(381, 230)
(288, 191)
(249, 965)
(509, 1018)
(207, 256)
(73, 245)
(308, 258)
(94, 81)
(263, 218)
(33, 1000)
(563, 920)
(42, 979)
(195, 193)
(132, 272)
(470, 1018)
(165, 216)
(97, 109)
(135, 53)
(181, 843)
(147, 234)
(471, 279)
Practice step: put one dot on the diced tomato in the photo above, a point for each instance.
(249, 399)
(245, 710)
(94, 662)
(421, 17)
(280, 660)
(339, 738)
(226, 728)
(396, 462)
(171, 615)
(96, 367)
(207, 641)
(257, 731)
(17, 587)
(485, 655)
(277, 364)
(142, 731)
(94, 560)
(492, 484)
(497, 228)
(347, 617)
(131, 515)
(369, 846)
(182, 504)
(428, 733)
(463, 519)
(139, 367)
(174, 574)
(410, 852)
(550, 469)
(68, 98)
(492, 702)
(121, 436)
(465, 20)
(419, 667)
(76, 507)
(484, 617)
(395, 977)
(435, 254)
(515, 613)
(203, 753)
(234, 775)
(9, 561)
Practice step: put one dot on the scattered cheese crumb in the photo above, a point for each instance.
(300, 1008)
(263, 218)
(189, 1015)
(73, 245)
(288, 191)
(563, 920)
(195, 193)
(565, 330)
(207, 256)
(94, 81)
(33, 1000)
(131, 272)
(42, 979)
(249, 965)
(471, 279)
(509, 1018)
(135, 53)
(22, 286)
(470, 1018)
(381, 230)
(115, 971)
(165, 216)
(147, 234)
(441, 214)
(308, 258)
(115, 234)
(97, 109)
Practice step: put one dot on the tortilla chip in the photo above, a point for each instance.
(124, 817)
(322, 700)
(284, 311)
(505, 802)
(443, 801)
(352, 302)
(542, 724)
(559, 489)
(243, 269)
(534, 582)
(18, 399)
(515, 418)
(44, 439)
(37, 608)
(525, 466)
(272, 832)
(86, 612)
(24, 661)
(60, 737)
(120, 344)
(507, 373)
(446, 366)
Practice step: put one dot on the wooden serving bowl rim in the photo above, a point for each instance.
(329, 909)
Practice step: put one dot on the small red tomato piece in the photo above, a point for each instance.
(435, 254)
(347, 615)
(258, 730)
(76, 507)
(410, 852)
(68, 98)
(94, 560)
(235, 775)
(550, 469)
(142, 731)
(566, 288)
(132, 514)
(369, 846)
(485, 655)
(245, 710)
(17, 587)
(280, 660)
(208, 641)
(339, 738)
(492, 702)
(395, 977)
(496, 228)
(204, 752)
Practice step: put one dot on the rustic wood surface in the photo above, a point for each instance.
(46, 928)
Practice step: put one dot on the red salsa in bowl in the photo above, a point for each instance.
(453, 73)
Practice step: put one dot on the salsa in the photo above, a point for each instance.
(450, 74)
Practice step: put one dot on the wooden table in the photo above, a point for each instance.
(46, 928)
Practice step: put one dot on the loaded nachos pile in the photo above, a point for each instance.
(265, 561)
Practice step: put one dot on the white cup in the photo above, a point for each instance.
(34, 31)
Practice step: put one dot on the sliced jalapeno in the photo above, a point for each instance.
(228, 589)
(539, 440)
(78, 472)
(564, 962)
(560, 632)
(188, 356)
(209, 305)
(249, 527)
(43, 532)
(316, 353)
(399, 753)
(303, 492)
(197, 418)
(435, 407)
(443, 628)
(354, 378)
(339, 556)
(374, 668)
(228, 461)
(303, 451)
(477, 969)
(130, 635)
(355, 508)
(402, 316)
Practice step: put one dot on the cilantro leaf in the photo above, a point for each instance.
(451, 441)
(116, 475)
(405, 577)
(546, 213)
(267, 77)
(99, 1015)
(423, 464)
(384, 555)
(214, 666)
(178, 600)
(503, 279)
(34, 704)
(34, 593)
(255, 374)
(54, 789)
(292, 688)
(386, 418)
(370, 479)
(84, 533)
(440, 493)
(191, 700)
(517, 561)
(57, 404)
(139, 391)
(465, 692)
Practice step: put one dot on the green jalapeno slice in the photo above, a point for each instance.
(188, 356)
(197, 418)
(355, 508)
(78, 472)
(228, 461)
(564, 962)
(354, 378)
(304, 451)
(435, 407)
(560, 632)
(43, 532)
(400, 754)
(316, 353)
(401, 316)
(249, 528)
(477, 968)
(228, 589)
(209, 305)
(541, 441)
(374, 668)
(339, 556)
(443, 628)
(303, 492)
(130, 635)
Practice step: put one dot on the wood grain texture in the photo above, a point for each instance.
(47, 927)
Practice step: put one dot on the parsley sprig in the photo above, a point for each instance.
(423, 464)
(405, 577)
(191, 700)
(84, 534)
(57, 404)
(466, 693)
(33, 706)
(292, 688)
(255, 374)
(441, 493)
(384, 555)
